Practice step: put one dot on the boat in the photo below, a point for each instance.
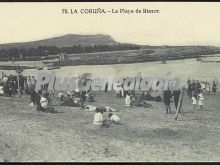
(53, 67)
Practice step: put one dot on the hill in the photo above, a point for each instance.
(98, 49)
(64, 41)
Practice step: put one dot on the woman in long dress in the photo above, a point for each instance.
(201, 101)
(128, 100)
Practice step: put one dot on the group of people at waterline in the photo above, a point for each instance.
(196, 89)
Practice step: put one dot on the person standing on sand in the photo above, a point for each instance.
(201, 99)
(208, 88)
(193, 87)
(198, 88)
(194, 102)
(214, 86)
(189, 91)
(167, 95)
(176, 95)
(37, 98)
(1, 90)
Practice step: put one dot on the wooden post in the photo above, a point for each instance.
(180, 103)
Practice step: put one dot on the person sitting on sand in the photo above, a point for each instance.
(201, 99)
(71, 93)
(98, 117)
(89, 97)
(77, 97)
(90, 108)
(114, 118)
(61, 99)
(118, 93)
(45, 102)
(68, 101)
(194, 102)
(109, 109)
(139, 102)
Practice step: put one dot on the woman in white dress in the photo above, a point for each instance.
(128, 100)
(201, 101)
(1, 90)
(194, 101)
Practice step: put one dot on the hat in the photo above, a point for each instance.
(109, 109)
(77, 90)
(200, 95)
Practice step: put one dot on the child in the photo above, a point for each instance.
(98, 117)
(90, 108)
(61, 99)
(194, 101)
(201, 99)
(35, 99)
(44, 102)
(114, 118)
(128, 100)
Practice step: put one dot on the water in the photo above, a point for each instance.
(188, 68)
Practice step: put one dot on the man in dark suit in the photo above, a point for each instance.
(167, 95)
(176, 95)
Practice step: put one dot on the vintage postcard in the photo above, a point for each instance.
(109, 82)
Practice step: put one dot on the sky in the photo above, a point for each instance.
(178, 23)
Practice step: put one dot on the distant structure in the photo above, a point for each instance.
(198, 59)
(21, 56)
(62, 56)
(164, 46)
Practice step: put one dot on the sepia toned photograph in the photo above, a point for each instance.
(109, 82)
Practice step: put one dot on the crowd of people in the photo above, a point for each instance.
(9, 85)
(196, 89)
(78, 98)
(43, 99)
